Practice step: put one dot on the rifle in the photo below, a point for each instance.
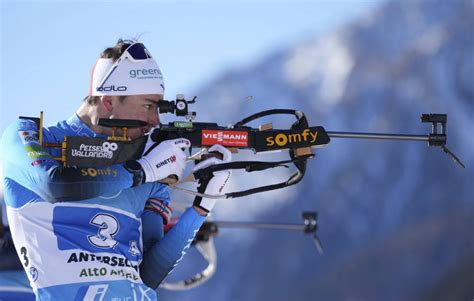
(298, 140)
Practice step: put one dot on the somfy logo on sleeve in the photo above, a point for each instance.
(106, 150)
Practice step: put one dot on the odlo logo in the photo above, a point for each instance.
(171, 159)
(111, 88)
(283, 139)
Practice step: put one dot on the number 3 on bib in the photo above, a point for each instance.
(108, 227)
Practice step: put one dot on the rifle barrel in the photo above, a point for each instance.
(249, 225)
(378, 136)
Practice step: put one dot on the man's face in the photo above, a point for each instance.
(137, 107)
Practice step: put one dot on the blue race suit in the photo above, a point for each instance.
(78, 231)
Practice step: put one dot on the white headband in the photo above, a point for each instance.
(126, 77)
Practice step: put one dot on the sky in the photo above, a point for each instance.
(49, 47)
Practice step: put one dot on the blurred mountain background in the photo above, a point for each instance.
(396, 218)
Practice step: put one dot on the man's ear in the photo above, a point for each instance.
(106, 102)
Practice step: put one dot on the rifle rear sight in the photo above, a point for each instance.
(178, 107)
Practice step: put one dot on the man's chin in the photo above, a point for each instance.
(135, 134)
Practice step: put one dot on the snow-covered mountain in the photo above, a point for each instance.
(396, 218)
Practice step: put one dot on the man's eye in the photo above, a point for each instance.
(148, 107)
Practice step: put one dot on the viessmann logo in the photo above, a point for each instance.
(225, 138)
(283, 139)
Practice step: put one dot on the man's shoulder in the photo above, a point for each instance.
(24, 127)
(22, 124)
(21, 130)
